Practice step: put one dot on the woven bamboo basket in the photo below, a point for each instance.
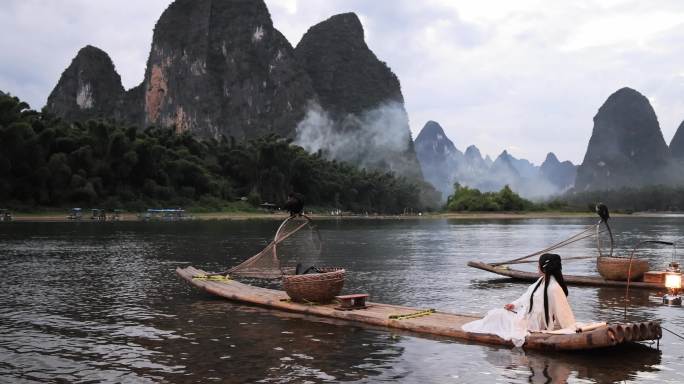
(617, 268)
(315, 287)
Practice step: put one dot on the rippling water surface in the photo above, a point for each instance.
(99, 302)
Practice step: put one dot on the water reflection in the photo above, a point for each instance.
(596, 366)
(246, 344)
(642, 304)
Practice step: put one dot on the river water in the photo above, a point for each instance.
(99, 302)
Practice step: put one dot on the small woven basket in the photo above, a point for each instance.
(315, 287)
(617, 268)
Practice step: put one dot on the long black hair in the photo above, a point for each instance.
(550, 264)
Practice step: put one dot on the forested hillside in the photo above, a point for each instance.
(47, 162)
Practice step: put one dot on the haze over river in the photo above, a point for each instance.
(100, 302)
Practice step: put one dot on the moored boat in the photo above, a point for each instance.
(5, 215)
(595, 281)
(614, 271)
(165, 214)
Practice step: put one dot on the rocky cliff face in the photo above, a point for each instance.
(473, 156)
(360, 115)
(438, 156)
(434, 146)
(215, 68)
(562, 175)
(626, 146)
(677, 143)
(88, 88)
(522, 167)
(220, 67)
(346, 74)
(500, 173)
(474, 170)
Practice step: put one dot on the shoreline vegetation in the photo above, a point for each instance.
(48, 162)
(48, 166)
(61, 216)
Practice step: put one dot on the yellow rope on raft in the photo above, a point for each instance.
(219, 278)
(413, 315)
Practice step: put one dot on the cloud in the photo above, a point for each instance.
(289, 6)
(499, 74)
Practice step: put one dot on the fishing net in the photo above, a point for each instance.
(297, 240)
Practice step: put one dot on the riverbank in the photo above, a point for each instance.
(134, 216)
(57, 216)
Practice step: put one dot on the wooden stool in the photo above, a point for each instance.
(351, 302)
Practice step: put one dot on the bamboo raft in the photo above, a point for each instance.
(569, 279)
(422, 321)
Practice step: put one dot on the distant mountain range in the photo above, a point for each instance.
(626, 149)
(220, 68)
(443, 165)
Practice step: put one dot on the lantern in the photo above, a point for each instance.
(673, 282)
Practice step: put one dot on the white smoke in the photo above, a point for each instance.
(376, 139)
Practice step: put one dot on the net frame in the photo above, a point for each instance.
(266, 264)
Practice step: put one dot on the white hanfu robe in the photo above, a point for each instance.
(516, 326)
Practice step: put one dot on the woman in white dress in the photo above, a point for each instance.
(544, 306)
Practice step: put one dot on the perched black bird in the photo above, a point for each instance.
(299, 270)
(294, 204)
(602, 211)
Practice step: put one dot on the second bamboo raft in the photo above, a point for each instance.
(594, 281)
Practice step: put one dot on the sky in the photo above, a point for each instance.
(526, 75)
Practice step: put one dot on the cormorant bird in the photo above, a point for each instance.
(294, 204)
(602, 211)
